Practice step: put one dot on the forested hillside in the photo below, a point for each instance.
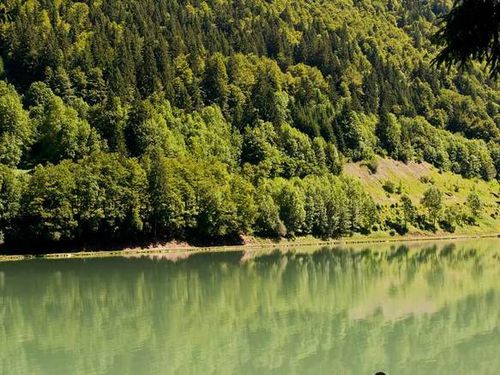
(183, 119)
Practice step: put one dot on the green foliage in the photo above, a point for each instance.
(268, 222)
(292, 209)
(215, 81)
(194, 198)
(453, 217)
(111, 199)
(389, 134)
(409, 211)
(432, 200)
(147, 128)
(494, 148)
(11, 185)
(48, 204)
(446, 151)
(16, 130)
(355, 134)
(62, 134)
(173, 201)
(110, 120)
(389, 187)
(101, 195)
(260, 148)
(474, 204)
(209, 136)
(299, 157)
(309, 59)
(216, 119)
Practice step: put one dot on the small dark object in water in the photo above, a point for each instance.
(380, 373)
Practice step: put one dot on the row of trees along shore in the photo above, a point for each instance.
(108, 198)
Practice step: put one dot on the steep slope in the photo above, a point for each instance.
(128, 120)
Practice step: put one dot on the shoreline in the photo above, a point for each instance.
(256, 244)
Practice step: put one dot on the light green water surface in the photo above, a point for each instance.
(433, 308)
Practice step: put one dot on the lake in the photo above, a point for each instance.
(430, 308)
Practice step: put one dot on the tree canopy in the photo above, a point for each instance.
(127, 119)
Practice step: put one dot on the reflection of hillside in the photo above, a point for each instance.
(432, 310)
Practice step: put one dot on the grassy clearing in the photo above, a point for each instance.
(415, 178)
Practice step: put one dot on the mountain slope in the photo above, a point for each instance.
(127, 120)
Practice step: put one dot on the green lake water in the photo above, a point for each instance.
(432, 308)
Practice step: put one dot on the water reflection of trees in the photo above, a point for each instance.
(431, 310)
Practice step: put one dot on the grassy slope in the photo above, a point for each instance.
(409, 176)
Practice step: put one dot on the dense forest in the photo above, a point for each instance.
(185, 119)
